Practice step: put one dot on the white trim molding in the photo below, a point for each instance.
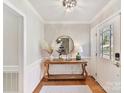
(102, 10)
(7, 2)
(110, 17)
(23, 60)
(34, 74)
(66, 22)
(34, 10)
(13, 68)
(35, 63)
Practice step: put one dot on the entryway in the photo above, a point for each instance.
(12, 51)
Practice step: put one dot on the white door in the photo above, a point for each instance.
(92, 64)
(12, 50)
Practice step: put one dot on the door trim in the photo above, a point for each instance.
(22, 62)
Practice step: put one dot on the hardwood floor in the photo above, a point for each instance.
(94, 86)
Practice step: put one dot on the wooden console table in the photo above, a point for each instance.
(65, 76)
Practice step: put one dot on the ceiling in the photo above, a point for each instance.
(53, 11)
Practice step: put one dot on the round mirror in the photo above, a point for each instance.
(66, 45)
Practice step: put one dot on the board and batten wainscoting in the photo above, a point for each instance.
(34, 73)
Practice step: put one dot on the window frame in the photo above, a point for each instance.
(105, 30)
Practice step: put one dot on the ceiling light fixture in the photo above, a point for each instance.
(69, 4)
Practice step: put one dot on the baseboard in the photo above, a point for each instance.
(92, 77)
(98, 84)
(37, 87)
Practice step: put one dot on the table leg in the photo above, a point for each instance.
(46, 72)
(84, 73)
(47, 69)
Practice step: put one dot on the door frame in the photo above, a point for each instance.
(94, 55)
(22, 50)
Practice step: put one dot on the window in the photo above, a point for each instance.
(106, 42)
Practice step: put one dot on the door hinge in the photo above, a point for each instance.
(96, 74)
(96, 34)
(96, 54)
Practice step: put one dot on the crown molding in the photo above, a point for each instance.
(109, 18)
(103, 9)
(67, 22)
(34, 10)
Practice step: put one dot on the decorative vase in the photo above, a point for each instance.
(78, 57)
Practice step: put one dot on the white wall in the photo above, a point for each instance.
(108, 75)
(11, 49)
(33, 35)
(35, 73)
(111, 8)
(10, 37)
(80, 33)
(34, 29)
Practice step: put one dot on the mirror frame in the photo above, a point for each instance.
(69, 38)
